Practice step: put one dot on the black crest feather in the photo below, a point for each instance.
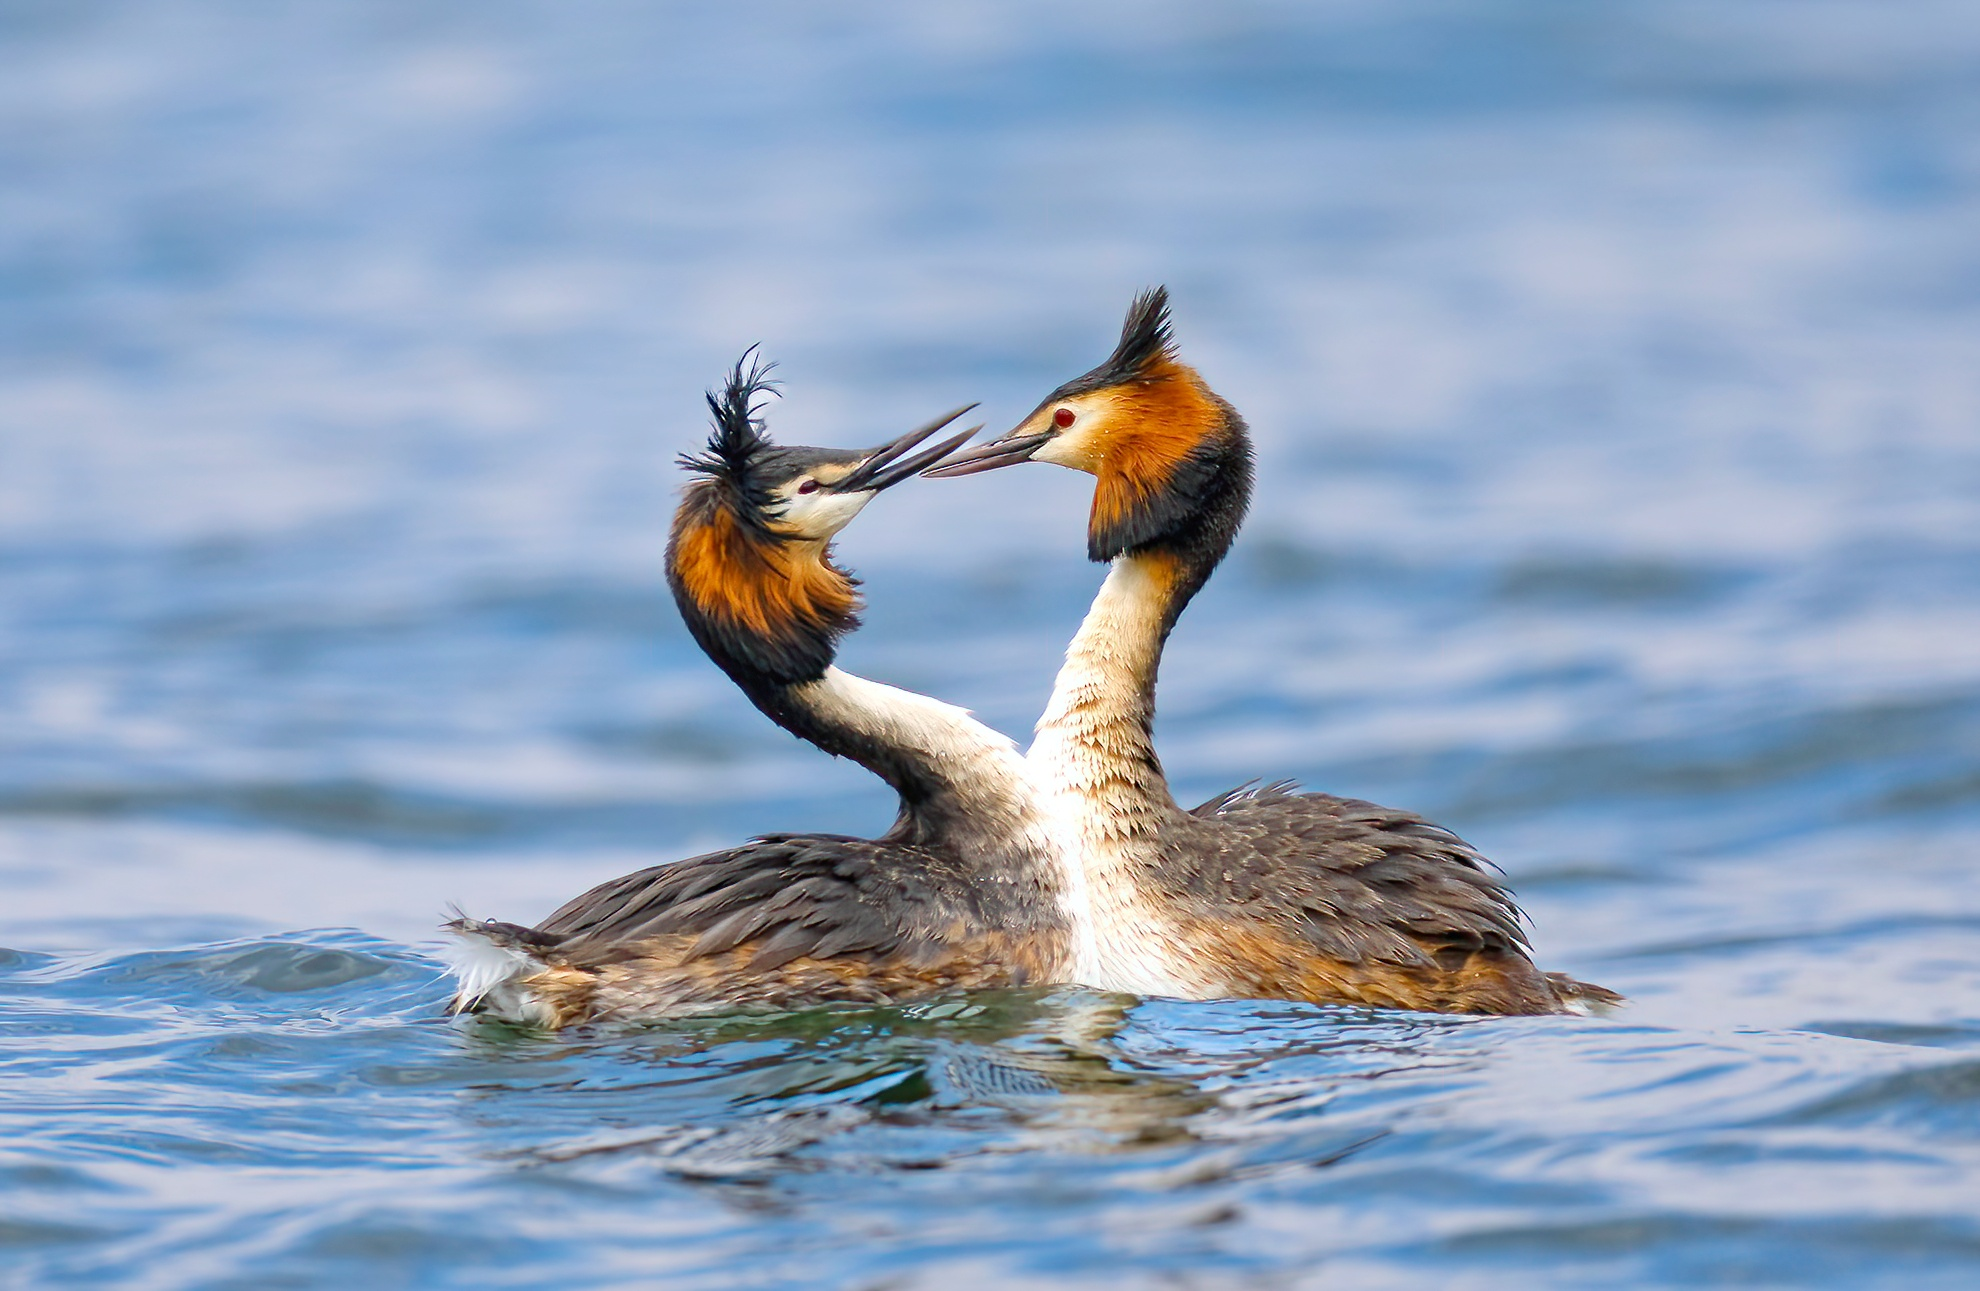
(1145, 341)
(737, 442)
(1145, 334)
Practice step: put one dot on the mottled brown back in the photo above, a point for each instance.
(1310, 896)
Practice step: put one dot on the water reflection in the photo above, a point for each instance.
(1005, 1070)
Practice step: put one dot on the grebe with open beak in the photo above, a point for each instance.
(967, 889)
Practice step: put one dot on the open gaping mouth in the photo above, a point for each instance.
(887, 466)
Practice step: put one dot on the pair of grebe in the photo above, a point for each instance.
(1071, 864)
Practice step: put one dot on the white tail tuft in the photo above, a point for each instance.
(481, 964)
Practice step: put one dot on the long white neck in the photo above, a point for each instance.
(1094, 760)
(946, 764)
(965, 791)
(1095, 737)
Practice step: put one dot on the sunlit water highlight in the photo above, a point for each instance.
(1613, 373)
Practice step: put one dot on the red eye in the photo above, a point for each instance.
(1063, 418)
(808, 486)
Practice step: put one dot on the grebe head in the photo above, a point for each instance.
(1158, 440)
(750, 559)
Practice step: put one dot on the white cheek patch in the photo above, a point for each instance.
(1060, 452)
(836, 510)
(824, 513)
(1077, 445)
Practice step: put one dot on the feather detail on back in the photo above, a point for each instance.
(785, 921)
(1250, 793)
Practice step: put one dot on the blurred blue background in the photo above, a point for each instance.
(1616, 376)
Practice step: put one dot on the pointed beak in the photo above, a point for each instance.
(1008, 451)
(888, 464)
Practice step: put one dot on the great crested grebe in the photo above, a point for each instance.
(966, 888)
(1258, 893)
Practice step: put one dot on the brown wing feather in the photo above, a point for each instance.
(811, 893)
(786, 921)
(1362, 902)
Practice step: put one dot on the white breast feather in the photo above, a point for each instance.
(1127, 942)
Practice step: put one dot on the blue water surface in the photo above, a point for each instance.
(1615, 371)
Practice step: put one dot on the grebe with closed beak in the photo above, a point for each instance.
(1258, 893)
(966, 889)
